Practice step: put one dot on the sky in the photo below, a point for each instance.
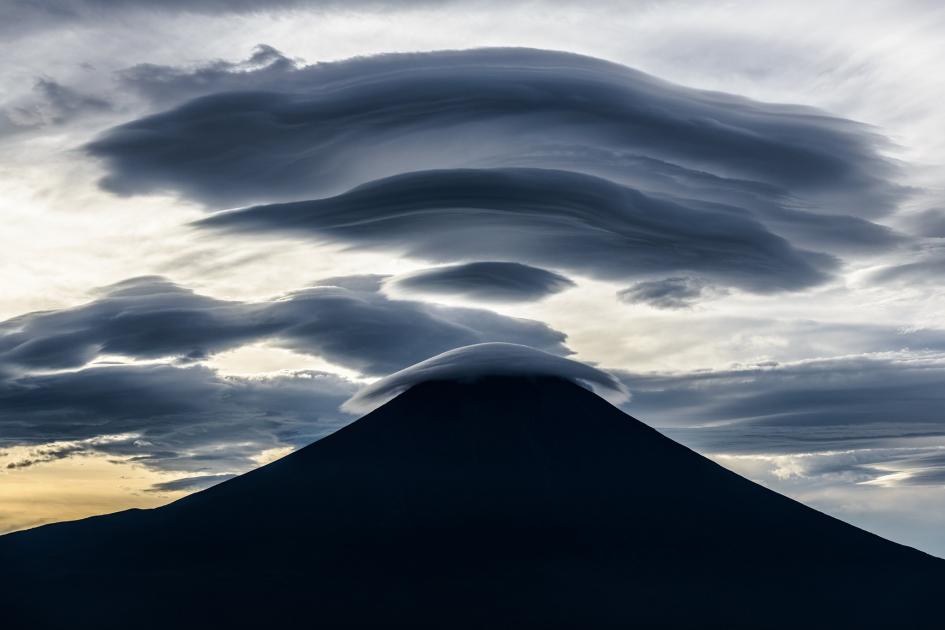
(223, 220)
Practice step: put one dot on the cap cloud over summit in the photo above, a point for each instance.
(470, 363)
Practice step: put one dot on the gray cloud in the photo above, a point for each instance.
(929, 223)
(571, 220)
(51, 103)
(785, 212)
(198, 482)
(634, 176)
(898, 392)
(862, 419)
(918, 467)
(376, 335)
(20, 16)
(321, 129)
(265, 68)
(49, 453)
(486, 359)
(353, 325)
(171, 417)
(670, 293)
(498, 281)
(168, 418)
(926, 268)
(147, 317)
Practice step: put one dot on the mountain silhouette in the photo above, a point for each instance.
(494, 502)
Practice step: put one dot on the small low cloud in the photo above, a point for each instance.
(51, 103)
(669, 293)
(928, 223)
(926, 268)
(490, 281)
(199, 482)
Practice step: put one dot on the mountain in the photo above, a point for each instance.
(495, 502)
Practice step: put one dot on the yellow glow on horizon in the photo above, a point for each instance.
(73, 488)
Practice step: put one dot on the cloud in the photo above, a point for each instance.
(169, 418)
(146, 317)
(486, 359)
(265, 68)
(635, 177)
(375, 335)
(50, 104)
(926, 268)
(49, 453)
(575, 221)
(849, 396)
(669, 293)
(929, 223)
(491, 281)
(199, 482)
(869, 419)
(323, 128)
(37, 15)
(351, 324)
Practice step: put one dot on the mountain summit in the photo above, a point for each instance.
(494, 501)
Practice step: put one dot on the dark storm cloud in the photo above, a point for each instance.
(670, 293)
(353, 325)
(323, 128)
(168, 418)
(499, 281)
(570, 220)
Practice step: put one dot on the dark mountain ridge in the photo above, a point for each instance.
(502, 502)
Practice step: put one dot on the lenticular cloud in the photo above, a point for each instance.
(486, 359)
(324, 128)
(539, 157)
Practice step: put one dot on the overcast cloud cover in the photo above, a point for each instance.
(222, 221)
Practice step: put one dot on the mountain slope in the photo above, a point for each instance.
(506, 502)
